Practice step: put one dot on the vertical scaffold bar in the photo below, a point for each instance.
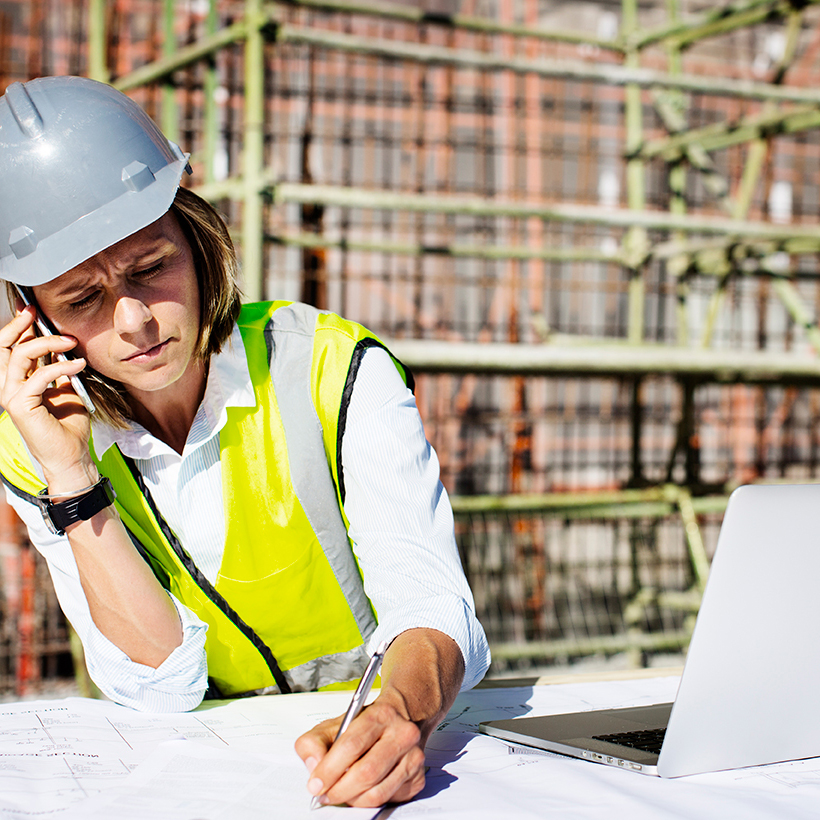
(677, 266)
(211, 83)
(253, 154)
(636, 434)
(635, 240)
(170, 121)
(97, 42)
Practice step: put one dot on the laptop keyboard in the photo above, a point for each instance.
(646, 740)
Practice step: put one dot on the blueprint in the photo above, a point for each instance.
(58, 758)
(87, 759)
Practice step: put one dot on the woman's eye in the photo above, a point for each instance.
(85, 301)
(147, 273)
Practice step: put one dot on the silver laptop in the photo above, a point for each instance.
(748, 694)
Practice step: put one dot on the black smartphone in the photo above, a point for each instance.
(45, 330)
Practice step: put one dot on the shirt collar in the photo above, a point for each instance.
(229, 385)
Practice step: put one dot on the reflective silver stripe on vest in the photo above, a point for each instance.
(328, 669)
(314, 674)
(290, 342)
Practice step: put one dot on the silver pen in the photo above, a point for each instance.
(359, 697)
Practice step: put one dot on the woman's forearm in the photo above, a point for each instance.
(127, 603)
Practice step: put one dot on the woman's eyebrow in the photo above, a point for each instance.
(72, 289)
(152, 255)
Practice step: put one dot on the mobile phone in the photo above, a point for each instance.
(45, 330)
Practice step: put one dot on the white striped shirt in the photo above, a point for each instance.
(401, 527)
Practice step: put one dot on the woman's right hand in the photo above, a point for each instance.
(124, 598)
(42, 404)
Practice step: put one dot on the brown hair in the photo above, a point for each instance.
(219, 297)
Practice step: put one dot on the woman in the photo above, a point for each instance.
(333, 532)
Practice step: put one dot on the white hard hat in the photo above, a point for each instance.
(82, 166)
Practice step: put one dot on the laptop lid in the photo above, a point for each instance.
(748, 694)
(745, 697)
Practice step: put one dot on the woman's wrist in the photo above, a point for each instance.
(75, 480)
(421, 677)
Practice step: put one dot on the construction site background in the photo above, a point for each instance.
(589, 228)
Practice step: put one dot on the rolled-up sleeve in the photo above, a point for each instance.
(177, 685)
(401, 521)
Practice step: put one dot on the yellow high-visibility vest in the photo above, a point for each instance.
(287, 610)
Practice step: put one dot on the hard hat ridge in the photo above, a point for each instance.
(24, 111)
(82, 166)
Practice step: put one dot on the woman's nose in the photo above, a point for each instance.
(130, 315)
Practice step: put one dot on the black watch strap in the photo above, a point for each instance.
(60, 515)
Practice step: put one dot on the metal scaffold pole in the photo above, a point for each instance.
(210, 87)
(170, 116)
(253, 154)
(635, 241)
(97, 41)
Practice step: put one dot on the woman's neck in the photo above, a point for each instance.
(169, 413)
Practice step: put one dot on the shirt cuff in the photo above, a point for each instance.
(447, 614)
(176, 685)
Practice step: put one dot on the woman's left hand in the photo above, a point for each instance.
(380, 758)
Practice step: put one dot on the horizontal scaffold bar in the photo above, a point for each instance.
(486, 251)
(558, 212)
(603, 644)
(707, 248)
(604, 73)
(660, 502)
(715, 21)
(464, 22)
(601, 359)
(794, 238)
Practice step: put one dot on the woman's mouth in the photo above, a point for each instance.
(148, 354)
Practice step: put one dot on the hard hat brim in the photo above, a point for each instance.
(96, 231)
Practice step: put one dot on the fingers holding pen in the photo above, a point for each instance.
(378, 759)
(391, 770)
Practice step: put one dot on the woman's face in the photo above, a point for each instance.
(134, 309)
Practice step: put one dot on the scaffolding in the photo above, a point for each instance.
(591, 230)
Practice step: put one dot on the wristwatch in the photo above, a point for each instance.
(60, 514)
